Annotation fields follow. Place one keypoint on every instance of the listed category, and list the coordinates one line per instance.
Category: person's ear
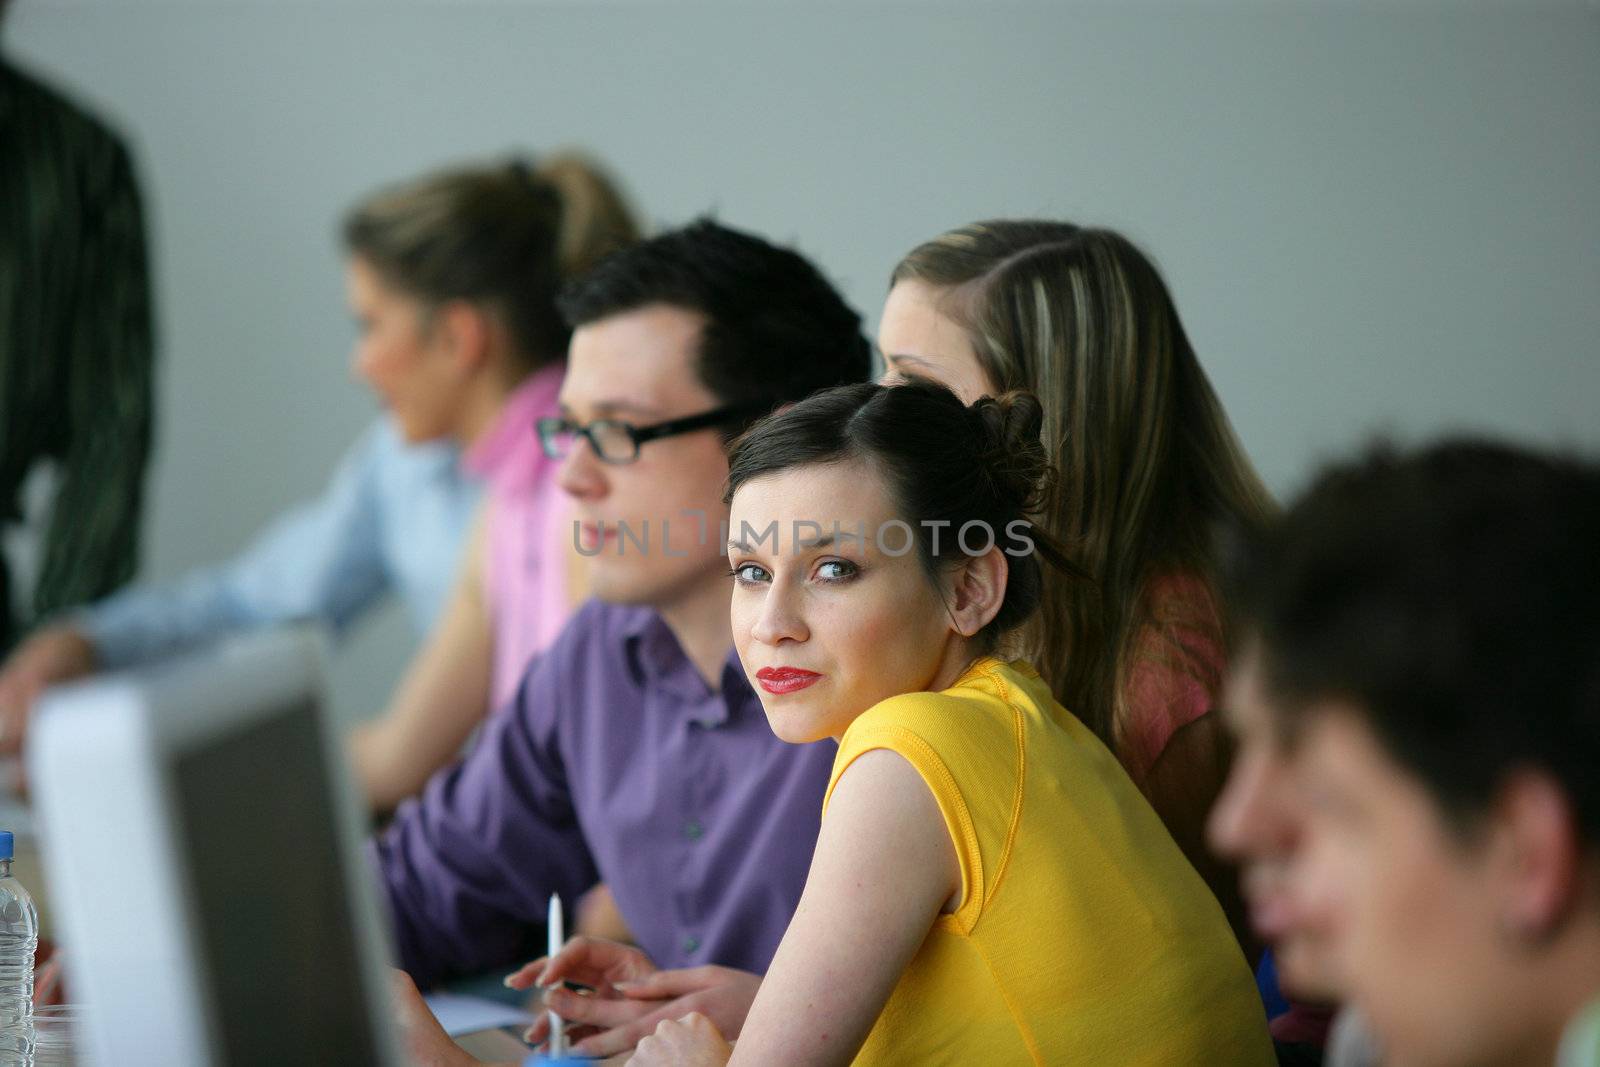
(978, 590)
(463, 330)
(1539, 856)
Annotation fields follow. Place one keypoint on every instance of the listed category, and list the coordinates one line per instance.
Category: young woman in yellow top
(989, 885)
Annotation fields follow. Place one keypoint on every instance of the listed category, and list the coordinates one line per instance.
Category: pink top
(1176, 672)
(525, 566)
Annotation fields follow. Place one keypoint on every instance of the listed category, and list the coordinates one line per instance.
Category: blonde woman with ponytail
(1149, 468)
(453, 280)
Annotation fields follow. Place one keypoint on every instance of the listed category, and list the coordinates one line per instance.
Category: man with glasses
(617, 442)
(635, 752)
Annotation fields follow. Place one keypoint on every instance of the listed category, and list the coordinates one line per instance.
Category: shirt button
(691, 945)
(693, 831)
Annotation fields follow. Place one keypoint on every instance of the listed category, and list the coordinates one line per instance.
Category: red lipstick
(785, 679)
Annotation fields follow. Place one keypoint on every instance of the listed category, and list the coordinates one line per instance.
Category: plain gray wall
(1371, 218)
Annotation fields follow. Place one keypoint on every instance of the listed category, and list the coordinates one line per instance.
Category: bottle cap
(7, 844)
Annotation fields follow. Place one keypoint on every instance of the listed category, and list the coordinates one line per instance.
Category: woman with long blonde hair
(1149, 467)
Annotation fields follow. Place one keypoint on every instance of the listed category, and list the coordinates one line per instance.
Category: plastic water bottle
(19, 938)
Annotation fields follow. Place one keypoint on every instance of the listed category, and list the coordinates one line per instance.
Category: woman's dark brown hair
(948, 467)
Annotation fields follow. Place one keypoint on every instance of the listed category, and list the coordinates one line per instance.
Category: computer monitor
(200, 835)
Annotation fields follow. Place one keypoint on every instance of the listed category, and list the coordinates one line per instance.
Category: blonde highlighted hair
(1147, 463)
(505, 237)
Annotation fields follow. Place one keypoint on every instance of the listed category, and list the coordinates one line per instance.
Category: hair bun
(1012, 452)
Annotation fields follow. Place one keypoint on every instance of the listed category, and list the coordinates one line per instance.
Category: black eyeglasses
(617, 442)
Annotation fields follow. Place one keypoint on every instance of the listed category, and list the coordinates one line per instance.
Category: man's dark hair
(777, 331)
(1452, 597)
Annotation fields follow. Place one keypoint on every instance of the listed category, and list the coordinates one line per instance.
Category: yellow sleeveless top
(1083, 936)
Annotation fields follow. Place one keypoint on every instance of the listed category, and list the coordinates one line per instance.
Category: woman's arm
(443, 696)
(884, 869)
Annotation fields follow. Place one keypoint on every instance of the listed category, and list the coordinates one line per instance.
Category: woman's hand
(631, 997)
(721, 994)
(54, 654)
(692, 1041)
(591, 961)
(588, 961)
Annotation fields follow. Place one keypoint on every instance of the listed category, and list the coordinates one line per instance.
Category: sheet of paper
(466, 1015)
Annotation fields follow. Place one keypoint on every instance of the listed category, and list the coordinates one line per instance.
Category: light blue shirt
(393, 519)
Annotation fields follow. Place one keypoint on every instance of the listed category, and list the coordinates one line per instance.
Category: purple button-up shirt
(615, 762)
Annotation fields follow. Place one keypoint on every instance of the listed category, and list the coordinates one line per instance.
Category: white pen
(555, 928)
